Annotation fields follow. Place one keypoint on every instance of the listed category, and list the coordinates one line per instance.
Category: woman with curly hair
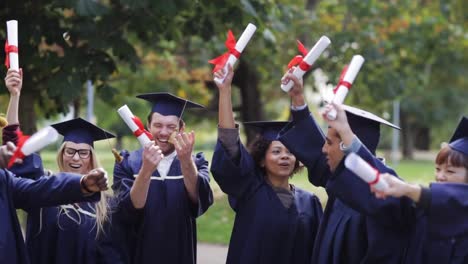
(276, 222)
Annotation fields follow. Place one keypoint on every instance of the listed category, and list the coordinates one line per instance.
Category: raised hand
(151, 157)
(340, 124)
(94, 181)
(226, 84)
(297, 91)
(14, 81)
(184, 143)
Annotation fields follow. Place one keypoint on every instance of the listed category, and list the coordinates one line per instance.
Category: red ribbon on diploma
(18, 152)
(141, 129)
(230, 44)
(377, 177)
(299, 59)
(343, 82)
(9, 49)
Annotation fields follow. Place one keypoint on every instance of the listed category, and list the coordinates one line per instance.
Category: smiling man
(162, 187)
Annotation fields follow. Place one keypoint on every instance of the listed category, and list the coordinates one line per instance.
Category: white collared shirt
(165, 164)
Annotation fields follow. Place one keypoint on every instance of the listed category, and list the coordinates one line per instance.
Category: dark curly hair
(258, 149)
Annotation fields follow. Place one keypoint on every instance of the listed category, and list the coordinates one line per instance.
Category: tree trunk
(407, 136)
(251, 107)
(26, 114)
(118, 142)
(422, 138)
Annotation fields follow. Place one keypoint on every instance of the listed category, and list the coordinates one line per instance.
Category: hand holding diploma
(11, 46)
(348, 75)
(28, 145)
(304, 64)
(365, 171)
(135, 124)
(234, 50)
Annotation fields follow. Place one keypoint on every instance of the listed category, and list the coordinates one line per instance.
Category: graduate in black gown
(347, 234)
(443, 206)
(21, 193)
(275, 221)
(162, 188)
(68, 233)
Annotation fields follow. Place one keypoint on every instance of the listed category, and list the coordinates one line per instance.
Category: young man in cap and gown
(163, 187)
(346, 235)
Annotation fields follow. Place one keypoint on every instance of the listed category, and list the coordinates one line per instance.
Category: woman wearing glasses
(67, 233)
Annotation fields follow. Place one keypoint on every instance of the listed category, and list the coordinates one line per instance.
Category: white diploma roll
(365, 171)
(127, 116)
(12, 35)
(39, 140)
(349, 77)
(310, 59)
(240, 46)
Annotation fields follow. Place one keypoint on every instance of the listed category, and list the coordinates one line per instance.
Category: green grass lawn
(216, 224)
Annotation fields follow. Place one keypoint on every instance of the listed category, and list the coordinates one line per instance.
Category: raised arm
(356, 193)
(232, 166)
(151, 157)
(14, 83)
(304, 138)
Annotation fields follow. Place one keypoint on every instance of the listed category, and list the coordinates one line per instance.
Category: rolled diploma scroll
(350, 75)
(310, 59)
(12, 34)
(365, 171)
(240, 46)
(39, 140)
(127, 116)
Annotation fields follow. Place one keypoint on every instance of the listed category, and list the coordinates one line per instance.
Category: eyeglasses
(83, 153)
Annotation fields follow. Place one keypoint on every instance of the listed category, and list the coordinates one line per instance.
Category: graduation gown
(264, 230)
(23, 193)
(116, 245)
(64, 234)
(346, 234)
(166, 226)
(445, 238)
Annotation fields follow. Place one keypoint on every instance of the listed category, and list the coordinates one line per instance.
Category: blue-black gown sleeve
(305, 139)
(448, 209)
(357, 194)
(205, 194)
(63, 188)
(234, 179)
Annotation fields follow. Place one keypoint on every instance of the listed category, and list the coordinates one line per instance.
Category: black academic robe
(166, 227)
(264, 230)
(65, 234)
(16, 192)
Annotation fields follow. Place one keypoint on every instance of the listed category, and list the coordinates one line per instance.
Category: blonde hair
(102, 208)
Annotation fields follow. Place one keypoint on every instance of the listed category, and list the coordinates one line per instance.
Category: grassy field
(216, 224)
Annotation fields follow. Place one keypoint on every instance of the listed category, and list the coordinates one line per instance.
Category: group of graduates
(160, 189)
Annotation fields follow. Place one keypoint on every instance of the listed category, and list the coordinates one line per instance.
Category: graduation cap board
(459, 140)
(168, 104)
(79, 130)
(268, 129)
(366, 126)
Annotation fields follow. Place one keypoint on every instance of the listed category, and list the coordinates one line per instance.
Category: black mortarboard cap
(79, 130)
(168, 104)
(459, 140)
(268, 129)
(366, 126)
